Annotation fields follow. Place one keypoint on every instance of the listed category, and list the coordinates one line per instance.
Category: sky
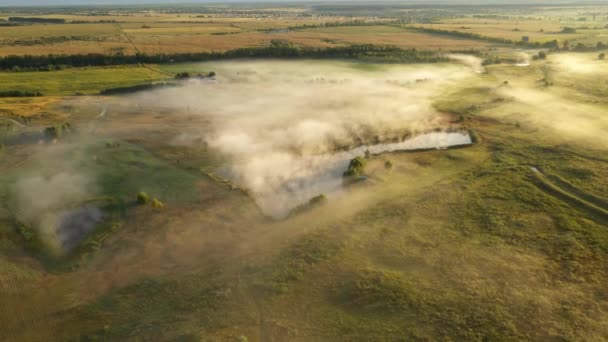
(143, 2)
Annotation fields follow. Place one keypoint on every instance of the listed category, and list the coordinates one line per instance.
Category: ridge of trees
(277, 49)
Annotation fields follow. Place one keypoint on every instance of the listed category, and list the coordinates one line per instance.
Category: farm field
(192, 37)
(425, 186)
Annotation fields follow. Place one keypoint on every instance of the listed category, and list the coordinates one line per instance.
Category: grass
(78, 80)
(453, 244)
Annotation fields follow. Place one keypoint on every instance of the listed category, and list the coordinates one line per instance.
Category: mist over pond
(289, 128)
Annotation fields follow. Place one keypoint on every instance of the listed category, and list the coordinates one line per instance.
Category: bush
(56, 132)
(143, 198)
(182, 75)
(568, 30)
(355, 167)
(388, 165)
(112, 144)
(601, 56)
(542, 55)
(318, 200)
(157, 204)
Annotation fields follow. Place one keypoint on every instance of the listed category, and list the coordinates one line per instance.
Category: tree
(568, 30)
(601, 56)
(142, 198)
(182, 75)
(355, 167)
(157, 204)
(542, 55)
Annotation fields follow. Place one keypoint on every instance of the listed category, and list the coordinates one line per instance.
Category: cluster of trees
(143, 198)
(580, 47)
(136, 88)
(36, 20)
(357, 22)
(186, 75)
(277, 49)
(568, 30)
(19, 93)
(475, 36)
(50, 40)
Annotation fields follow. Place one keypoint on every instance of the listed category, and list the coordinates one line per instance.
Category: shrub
(388, 165)
(601, 56)
(157, 204)
(182, 75)
(143, 198)
(355, 167)
(568, 30)
(56, 132)
(318, 200)
(542, 55)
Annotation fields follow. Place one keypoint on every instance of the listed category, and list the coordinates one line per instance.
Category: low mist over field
(306, 171)
(45, 198)
(279, 122)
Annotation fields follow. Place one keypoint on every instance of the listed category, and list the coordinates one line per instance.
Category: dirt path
(567, 196)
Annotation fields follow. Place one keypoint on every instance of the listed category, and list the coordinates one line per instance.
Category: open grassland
(461, 244)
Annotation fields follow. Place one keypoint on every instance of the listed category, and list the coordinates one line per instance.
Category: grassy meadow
(504, 239)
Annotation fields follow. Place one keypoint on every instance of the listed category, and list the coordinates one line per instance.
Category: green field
(80, 80)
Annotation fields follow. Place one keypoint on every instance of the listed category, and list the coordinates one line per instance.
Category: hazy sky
(128, 2)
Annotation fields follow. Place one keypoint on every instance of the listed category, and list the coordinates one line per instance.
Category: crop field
(455, 192)
(219, 29)
(178, 37)
(537, 30)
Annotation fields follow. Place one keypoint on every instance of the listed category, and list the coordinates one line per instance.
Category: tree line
(475, 36)
(19, 93)
(277, 49)
(36, 20)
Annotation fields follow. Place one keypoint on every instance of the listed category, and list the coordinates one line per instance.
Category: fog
(46, 198)
(285, 125)
(475, 63)
(578, 63)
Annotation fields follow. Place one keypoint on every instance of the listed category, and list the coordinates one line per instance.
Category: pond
(312, 175)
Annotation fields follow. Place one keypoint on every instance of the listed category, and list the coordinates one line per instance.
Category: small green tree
(355, 167)
(157, 204)
(142, 198)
